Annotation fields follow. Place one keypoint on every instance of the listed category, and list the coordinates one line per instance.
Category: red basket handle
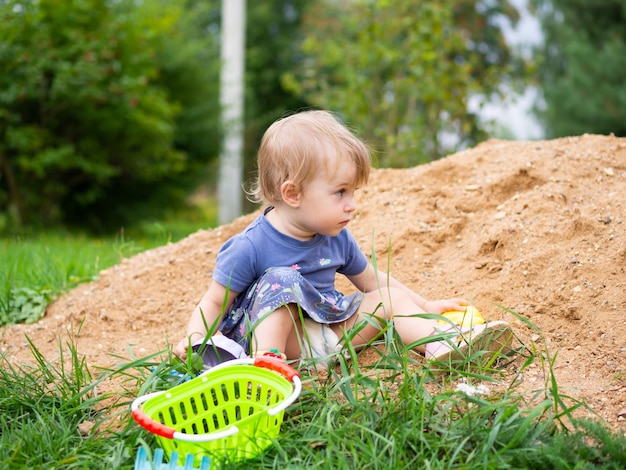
(151, 425)
(164, 431)
(148, 423)
(277, 365)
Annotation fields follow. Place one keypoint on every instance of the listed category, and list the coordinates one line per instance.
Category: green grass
(395, 413)
(45, 405)
(37, 268)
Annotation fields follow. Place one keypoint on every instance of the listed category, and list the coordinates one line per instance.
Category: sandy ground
(536, 227)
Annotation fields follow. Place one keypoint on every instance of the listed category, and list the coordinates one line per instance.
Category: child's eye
(341, 192)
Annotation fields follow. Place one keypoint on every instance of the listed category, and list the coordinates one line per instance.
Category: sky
(517, 116)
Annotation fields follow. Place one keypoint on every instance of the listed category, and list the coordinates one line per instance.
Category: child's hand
(185, 344)
(181, 349)
(446, 305)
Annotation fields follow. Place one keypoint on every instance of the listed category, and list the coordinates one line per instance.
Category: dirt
(534, 227)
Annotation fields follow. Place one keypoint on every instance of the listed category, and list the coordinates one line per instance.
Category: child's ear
(290, 192)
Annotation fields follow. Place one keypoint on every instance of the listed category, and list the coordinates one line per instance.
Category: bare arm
(371, 279)
(207, 313)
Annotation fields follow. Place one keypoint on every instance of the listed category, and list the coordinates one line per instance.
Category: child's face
(327, 202)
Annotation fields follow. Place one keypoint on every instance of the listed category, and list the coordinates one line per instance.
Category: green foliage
(189, 67)
(35, 270)
(582, 66)
(272, 30)
(191, 367)
(403, 71)
(396, 412)
(24, 305)
(91, 94)
(50, 411)
(400, 413)
(590, 446)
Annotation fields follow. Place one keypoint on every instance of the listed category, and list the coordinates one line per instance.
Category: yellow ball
(465, 318)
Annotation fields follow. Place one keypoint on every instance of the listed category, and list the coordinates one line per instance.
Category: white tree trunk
(231, 100)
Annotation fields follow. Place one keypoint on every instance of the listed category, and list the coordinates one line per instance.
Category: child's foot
(490, 338)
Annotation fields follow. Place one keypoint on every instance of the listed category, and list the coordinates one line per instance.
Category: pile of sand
(536, 227)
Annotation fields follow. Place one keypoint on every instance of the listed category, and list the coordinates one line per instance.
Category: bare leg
(281, 329)
(390, 303)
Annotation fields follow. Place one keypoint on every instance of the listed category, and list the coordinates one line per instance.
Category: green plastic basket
(232, 411)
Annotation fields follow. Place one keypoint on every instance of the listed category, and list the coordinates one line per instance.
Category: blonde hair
(299, 147)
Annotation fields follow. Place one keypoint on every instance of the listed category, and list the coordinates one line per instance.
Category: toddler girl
(279, 273)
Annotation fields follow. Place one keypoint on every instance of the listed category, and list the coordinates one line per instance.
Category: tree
(582, 66)
(272, 49)
(403, 71)
(88, 125)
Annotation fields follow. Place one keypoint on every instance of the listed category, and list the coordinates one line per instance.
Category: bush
(90, 102)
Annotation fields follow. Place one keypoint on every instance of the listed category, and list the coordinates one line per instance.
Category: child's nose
(350, 205)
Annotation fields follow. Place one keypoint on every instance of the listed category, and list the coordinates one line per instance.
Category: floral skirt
(278, 287)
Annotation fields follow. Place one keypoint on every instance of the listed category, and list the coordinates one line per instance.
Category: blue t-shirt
(247, 255)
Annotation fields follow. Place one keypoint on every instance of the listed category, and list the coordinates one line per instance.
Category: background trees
(582, 66)
(402, 72)
(109, 109)
(105, 108)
